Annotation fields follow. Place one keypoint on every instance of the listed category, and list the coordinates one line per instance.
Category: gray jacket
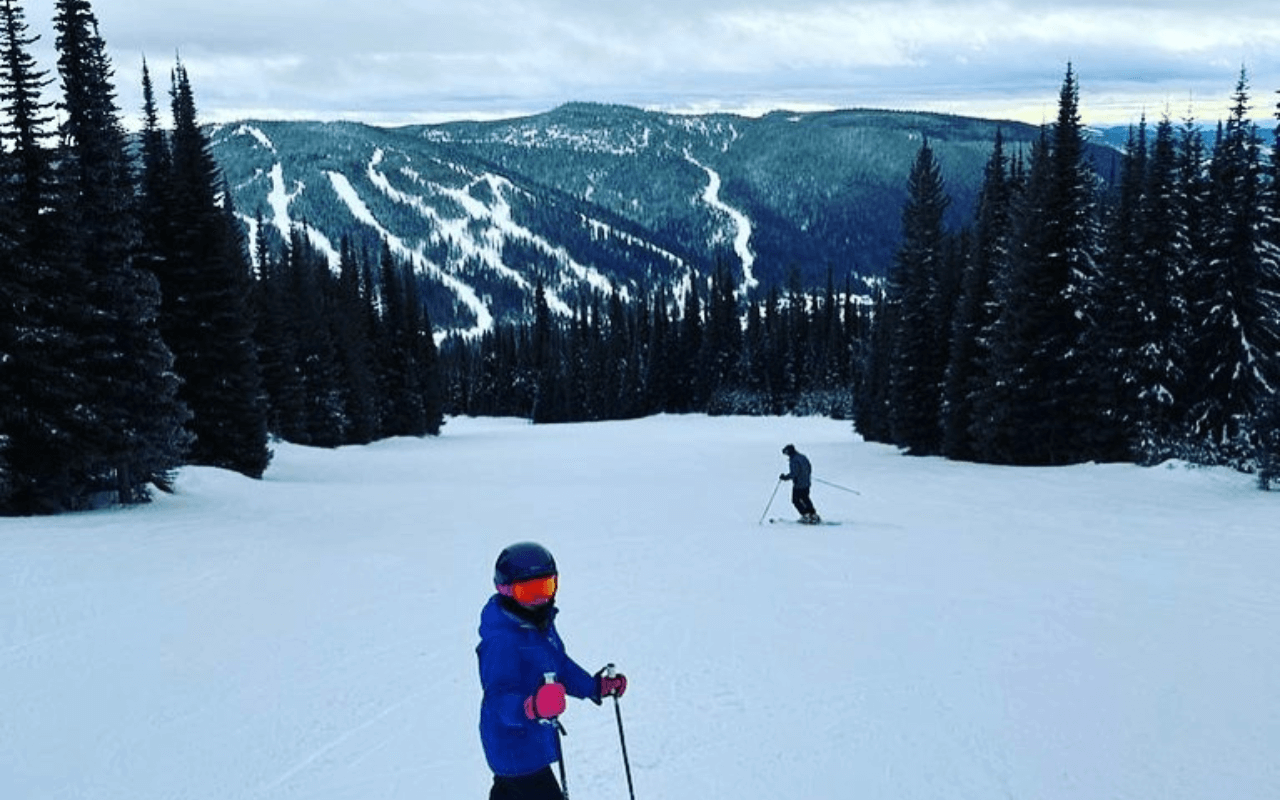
(801, 471)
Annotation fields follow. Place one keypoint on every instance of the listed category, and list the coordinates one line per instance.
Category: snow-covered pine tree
(1166, 256)
(1119, 312)
(1235, 358)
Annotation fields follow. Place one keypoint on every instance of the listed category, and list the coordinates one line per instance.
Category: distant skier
(526, 673)
(800, 473)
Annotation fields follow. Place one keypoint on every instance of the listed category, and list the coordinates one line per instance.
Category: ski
(787, 521)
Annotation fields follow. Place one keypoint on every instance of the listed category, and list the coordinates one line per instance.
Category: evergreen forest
(137, 333)
(1077, 317)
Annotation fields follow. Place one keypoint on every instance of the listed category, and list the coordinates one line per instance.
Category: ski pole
(838, 486)
(550, 677)
(766, 508)
(564, 780)
(622, 736)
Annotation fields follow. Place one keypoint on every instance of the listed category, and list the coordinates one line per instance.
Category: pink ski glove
(546, 703)
(609, 682)
(614, 685)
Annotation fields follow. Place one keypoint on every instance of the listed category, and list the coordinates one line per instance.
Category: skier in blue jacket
(526, 674)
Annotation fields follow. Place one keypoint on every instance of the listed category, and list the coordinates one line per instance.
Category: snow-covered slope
(967, 632)
(596, 198)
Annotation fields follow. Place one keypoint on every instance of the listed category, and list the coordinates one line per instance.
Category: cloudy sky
(399, 61)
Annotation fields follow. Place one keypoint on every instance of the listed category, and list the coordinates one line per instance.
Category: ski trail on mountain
(741, 223)
(465, 293)
(279, 198)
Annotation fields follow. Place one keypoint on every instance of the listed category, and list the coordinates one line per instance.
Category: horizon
(709, 109)
(429, 62)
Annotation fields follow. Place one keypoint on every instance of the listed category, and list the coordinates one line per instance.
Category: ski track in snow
(485, 247)
(457, 231)
(968, 632)
(464, 292)
(498, 226)
(279, 199)
(741, 224)
(256, 133)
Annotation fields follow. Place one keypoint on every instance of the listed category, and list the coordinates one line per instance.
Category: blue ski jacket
(514, 655)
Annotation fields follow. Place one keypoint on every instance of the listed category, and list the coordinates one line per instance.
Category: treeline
(1077, 320)
(135, 334)
(617, 359)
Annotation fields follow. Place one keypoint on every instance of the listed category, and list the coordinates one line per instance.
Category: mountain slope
(969, 633)
(597, 197)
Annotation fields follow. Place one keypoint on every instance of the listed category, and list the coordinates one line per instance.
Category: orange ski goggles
(533, 592)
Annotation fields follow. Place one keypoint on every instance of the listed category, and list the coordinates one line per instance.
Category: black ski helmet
(788, 450)
(521, 562)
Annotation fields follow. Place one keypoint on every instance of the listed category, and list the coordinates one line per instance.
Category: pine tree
(970, 355)
(26, 316)
(686, 365)
(871, 403)
(278, 331)
(544, 359)
(1237, 319)
(25, 134)
(324, 421)
(1037, 406)
(919, 342)
(1166, 257)
(206, 278)
(353, 338)
(1121, 311)
(411, 387)
(1001, 401)
(658, 369)
(1268, 447)
(127, 418)
(723, 340)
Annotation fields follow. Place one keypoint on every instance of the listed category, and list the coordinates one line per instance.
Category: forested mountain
(592, 196)
(974, 289)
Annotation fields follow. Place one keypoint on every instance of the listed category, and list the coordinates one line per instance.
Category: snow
(256, 133)
(741, 224)
(481, 244)
(465, 294)
(280, 198)
(967, 632)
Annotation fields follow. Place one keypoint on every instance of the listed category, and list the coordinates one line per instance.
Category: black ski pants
(800, 499)
(540, 785)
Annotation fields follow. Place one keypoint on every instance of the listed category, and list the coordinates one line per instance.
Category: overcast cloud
(396, 61)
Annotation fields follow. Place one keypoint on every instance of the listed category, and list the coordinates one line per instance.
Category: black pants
(540, 785)
(800, 499)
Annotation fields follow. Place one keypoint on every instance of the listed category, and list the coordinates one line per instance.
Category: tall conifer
(919, 342)
(128, 415)
(205, 274)
(1237, 318)
(970, 355)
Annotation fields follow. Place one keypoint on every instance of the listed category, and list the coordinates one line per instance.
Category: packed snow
(966, 632)
(741, 223)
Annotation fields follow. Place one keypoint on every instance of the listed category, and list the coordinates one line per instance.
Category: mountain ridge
(589, 197)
